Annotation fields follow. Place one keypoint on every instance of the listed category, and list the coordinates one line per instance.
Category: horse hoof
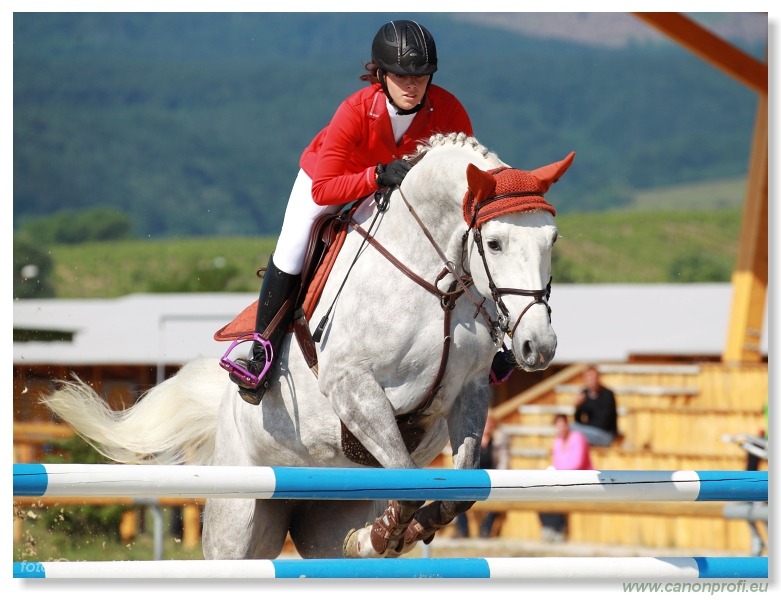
(357, 544)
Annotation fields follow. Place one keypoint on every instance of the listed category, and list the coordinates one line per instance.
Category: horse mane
(455, 139)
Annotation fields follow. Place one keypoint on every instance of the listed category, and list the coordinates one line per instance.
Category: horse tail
(174, 422)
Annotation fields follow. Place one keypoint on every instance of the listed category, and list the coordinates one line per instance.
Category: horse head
(511, 233)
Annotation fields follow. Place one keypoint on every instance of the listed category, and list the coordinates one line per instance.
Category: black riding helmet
(404, 48)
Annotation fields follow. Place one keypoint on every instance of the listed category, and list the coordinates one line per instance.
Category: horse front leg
(385, 537)
(363, 407)
(431, 518)
(465, 423)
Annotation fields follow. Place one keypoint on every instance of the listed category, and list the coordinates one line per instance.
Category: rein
(503, 323)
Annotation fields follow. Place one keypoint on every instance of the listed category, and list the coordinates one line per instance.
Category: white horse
(413, 332)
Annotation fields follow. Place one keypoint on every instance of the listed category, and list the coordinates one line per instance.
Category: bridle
(462, 283)
(540, 296)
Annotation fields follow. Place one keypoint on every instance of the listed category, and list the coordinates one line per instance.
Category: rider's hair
(371, 72)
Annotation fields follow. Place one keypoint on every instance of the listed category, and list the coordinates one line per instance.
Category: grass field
(729, 193)
(648, 246)
(39, 544)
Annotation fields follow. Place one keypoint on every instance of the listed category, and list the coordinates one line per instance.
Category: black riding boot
(271, 322)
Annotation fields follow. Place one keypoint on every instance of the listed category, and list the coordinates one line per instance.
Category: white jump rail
(154, 481)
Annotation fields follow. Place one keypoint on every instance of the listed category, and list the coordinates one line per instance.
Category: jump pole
(185, 481)
(626, 568)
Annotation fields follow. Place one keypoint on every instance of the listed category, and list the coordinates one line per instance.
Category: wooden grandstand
(671, 417)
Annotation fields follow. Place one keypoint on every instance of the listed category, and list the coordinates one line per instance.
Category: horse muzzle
(534, 348)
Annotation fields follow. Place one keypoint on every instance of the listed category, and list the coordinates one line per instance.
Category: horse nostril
(528, 351)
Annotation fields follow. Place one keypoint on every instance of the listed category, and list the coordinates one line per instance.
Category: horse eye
(494, 246)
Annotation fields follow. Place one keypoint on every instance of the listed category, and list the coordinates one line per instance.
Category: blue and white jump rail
(627, 568)
(184, 481)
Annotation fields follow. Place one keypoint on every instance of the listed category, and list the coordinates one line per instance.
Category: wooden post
(750, 277)
(128, 527)
(191, 525)
(720, 53)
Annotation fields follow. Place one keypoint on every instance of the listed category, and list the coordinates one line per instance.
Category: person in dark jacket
(596, 413)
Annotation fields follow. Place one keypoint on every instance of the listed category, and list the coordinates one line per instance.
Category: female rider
(360, 151)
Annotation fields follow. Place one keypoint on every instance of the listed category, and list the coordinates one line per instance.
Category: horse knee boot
(275, 309)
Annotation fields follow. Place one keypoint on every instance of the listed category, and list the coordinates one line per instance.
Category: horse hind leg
(243, 528)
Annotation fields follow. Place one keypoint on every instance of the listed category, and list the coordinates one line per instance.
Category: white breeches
(300, 215)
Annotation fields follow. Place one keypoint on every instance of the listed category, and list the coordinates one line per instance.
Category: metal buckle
(239, 371)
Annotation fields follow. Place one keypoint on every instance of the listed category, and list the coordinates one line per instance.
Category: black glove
(391, 174)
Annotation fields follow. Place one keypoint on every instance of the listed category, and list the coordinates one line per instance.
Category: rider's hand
(391, 174)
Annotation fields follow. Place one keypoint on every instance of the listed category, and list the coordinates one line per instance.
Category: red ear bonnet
(505, 190)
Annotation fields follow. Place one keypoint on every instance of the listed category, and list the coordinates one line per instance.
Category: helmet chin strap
(401, 111)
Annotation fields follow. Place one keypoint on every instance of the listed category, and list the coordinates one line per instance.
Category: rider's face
(406, 92)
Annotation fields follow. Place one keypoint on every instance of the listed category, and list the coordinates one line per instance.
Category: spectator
(596, 415)
(494, 454)
(570, 452)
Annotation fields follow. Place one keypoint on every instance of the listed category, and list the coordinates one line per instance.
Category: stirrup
(238, 370)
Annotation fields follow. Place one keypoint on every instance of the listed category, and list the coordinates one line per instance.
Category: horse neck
(435, 190)
(427, 205)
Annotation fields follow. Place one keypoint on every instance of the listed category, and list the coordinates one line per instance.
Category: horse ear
(481, 186)
(480, 183)
(550, 174)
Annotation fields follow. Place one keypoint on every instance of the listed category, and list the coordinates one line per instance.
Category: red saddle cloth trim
(244, 323)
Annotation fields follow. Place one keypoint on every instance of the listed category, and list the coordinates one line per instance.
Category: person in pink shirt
(571, 452)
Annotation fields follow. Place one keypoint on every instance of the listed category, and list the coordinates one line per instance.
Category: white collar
(399, 122)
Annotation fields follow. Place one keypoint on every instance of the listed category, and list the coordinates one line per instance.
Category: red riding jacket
(341, 159)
